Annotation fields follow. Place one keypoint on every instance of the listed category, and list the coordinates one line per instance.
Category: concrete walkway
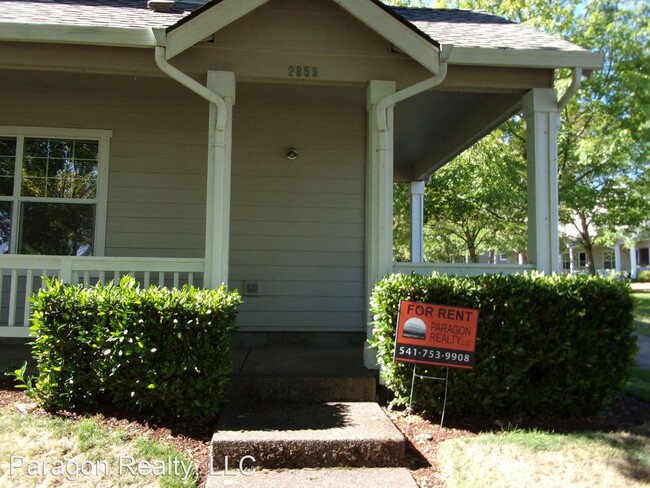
(643, 356)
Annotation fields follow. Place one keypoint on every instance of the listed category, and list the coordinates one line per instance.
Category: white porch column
(633, 262)
(542, 123)
(618, 263)
(417, 221)
(379, 198)
(572, 260)
(217, 230)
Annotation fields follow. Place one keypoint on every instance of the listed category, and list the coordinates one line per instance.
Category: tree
(603, 146)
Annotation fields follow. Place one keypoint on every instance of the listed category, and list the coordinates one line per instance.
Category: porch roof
(478, 38)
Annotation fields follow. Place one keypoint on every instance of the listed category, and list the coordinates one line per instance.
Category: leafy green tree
(603, 147)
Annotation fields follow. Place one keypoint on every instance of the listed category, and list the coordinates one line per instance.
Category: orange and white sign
(436, 334)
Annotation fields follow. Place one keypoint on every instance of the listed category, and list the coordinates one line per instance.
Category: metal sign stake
(444, 402)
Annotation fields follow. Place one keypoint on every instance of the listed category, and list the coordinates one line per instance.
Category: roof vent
(160, 5)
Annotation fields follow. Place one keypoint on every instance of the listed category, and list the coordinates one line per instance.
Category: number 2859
(296, 71)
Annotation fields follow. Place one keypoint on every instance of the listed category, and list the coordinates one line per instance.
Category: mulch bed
(423, 435)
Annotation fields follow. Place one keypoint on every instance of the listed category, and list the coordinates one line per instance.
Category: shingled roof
(464, 28)
(133, 14)
(461, 28)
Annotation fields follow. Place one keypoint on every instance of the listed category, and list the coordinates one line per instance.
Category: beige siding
(157, 179)
(298, 226)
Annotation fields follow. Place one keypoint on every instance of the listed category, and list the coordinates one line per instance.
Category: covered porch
(256, 144)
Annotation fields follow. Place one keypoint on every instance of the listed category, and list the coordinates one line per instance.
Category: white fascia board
(408, 41)
(526, 58)
(206, 23)
(76, 34)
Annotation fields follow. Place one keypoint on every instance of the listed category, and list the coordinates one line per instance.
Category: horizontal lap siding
(297, 227)
(157, 179)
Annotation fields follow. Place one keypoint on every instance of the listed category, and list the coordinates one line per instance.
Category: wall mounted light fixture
(292, 153)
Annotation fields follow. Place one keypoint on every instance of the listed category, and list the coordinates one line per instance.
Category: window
(582, 260)
(566, 261)
(609, 260)
(53, 191)
(643, 256)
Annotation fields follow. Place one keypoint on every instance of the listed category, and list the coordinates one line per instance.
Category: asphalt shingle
(461, 28)
(464, 28)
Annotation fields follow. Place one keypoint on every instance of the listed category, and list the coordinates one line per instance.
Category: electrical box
(252, 288)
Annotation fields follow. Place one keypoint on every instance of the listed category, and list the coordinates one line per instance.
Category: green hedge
(558, 345)
(643, 277)
(165, 352)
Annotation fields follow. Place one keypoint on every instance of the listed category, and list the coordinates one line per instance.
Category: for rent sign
(436, 334)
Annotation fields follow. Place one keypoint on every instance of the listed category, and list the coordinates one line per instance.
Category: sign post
(437, 335)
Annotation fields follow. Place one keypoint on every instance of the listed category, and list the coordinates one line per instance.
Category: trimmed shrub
(643, 277)
(161, 351)
(546, 346)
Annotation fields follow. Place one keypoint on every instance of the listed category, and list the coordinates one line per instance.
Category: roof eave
(526, 58)
(74, 34)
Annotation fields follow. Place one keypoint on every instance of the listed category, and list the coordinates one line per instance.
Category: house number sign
(302, 71)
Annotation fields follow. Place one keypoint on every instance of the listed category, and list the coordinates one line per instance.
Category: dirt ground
(423, 436)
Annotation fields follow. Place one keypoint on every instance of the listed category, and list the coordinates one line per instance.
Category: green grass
(41, 439)
(642, 313)
(639, 384)
(546, 459)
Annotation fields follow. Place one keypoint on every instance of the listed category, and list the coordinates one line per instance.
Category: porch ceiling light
(292, 153)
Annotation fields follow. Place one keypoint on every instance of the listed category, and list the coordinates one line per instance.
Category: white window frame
(579, 264)
(100, 201)
(612, 255)
(566, 261)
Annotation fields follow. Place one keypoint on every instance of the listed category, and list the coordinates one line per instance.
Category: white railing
(462, 269)
(21, 276)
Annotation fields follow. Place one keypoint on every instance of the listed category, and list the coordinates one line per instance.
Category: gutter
(576, 81)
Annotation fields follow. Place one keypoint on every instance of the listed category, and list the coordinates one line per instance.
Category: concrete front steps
(305, 416)
(295, 374)
(308, 444)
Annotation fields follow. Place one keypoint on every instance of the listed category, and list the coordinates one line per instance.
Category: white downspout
(576, 80)
(195, 86)
(213, 275)
(391, 100)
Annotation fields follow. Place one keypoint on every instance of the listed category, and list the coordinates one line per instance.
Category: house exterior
(253, 143)
(620, 259)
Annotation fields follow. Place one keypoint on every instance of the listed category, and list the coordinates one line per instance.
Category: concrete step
(307, 435)
(298, 374)
(257, 389)
(316, 478)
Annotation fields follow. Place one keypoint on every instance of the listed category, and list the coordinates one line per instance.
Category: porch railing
(463, 269)
(21, 276)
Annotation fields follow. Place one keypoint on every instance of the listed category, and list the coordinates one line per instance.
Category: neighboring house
(253, 143)
(620, 259)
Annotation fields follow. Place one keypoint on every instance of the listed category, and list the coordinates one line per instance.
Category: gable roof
(216, 14)
(477, 38)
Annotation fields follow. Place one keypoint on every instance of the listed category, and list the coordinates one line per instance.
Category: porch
(22, 275)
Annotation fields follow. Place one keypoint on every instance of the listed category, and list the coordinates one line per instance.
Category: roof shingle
(464, 28)
(461, 28)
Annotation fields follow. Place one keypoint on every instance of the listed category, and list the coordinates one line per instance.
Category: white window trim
(101, 200)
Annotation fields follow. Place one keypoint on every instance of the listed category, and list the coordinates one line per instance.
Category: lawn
(548, 459)
(38, 449)
(642, 313)
(545, 459)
